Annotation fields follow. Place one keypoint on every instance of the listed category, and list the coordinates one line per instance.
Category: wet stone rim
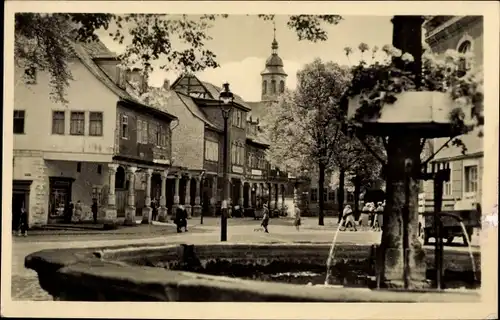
(141, 273)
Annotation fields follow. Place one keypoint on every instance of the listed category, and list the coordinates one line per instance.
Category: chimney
(166, 84)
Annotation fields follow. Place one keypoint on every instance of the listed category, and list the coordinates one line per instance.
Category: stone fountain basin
(148, 273)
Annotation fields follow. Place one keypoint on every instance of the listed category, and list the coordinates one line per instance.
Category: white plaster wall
(187, 137)
(29, 165)
(85, 93)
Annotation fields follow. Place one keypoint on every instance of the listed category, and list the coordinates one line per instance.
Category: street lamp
(225, 104)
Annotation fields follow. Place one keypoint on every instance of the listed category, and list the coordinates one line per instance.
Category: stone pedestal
(130, 216)
(147, 215)
(163, 214)
(188, 210)
(108, 214)
(196, 210)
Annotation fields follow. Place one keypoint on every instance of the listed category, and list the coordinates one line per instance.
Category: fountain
(290, 272)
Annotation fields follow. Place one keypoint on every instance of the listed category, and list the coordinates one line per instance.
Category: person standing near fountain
(297, 217)
(265, 218)
(379, 211)
(348, 218)
(364, 217)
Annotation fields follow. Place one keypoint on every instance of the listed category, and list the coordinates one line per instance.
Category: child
(265, 219)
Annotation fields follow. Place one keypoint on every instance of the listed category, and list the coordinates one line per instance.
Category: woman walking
(23, 222)
(297, 217)
(265, 219)
(348, 218)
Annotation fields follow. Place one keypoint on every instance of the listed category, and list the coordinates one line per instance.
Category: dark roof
(195, 109)
(190, 84)
(97, 50)
(87, 60)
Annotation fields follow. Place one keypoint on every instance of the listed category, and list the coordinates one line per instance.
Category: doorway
(20, 199)
(60, 197)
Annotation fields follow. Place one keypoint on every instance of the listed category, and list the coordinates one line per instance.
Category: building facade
(464, 34)
(107, 145)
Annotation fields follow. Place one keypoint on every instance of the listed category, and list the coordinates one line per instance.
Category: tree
(304, 126)
(43, 42)
(350, 156)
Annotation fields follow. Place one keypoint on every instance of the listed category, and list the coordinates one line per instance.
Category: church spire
(274, 45)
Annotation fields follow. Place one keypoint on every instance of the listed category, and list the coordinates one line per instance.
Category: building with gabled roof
(106, 144)
(464, 190)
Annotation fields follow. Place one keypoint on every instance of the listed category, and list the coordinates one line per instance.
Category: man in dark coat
(94, 210)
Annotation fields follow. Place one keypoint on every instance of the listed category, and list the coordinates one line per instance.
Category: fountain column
(402, 260)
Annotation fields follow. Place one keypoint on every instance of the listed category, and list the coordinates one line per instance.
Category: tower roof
(274, 64)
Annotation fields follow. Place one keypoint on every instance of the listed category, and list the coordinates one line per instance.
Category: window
(163, 136)
(238, 154)
(124, 127)
(139, 130)
(282, 86)
(77, 124)
(58, 122)
(95, 124)
(211, 150)
(447, 186)
(331, 195)
(30, 75)
(471, 178)
(273, 86)
(264, 87)
(154, 135)
(238, 119)
(314, 194)
(19, 117)
(78, 167)
(99, 169)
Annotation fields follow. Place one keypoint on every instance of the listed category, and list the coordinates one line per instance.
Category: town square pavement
(240, 230)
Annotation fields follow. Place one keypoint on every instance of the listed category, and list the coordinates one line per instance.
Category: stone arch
(273, 86)
(120, 178)
(282, 86)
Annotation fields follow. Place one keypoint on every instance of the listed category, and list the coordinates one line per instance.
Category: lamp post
(225, 104)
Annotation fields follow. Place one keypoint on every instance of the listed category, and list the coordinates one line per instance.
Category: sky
(242, 44)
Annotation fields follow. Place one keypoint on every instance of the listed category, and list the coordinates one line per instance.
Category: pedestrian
(348, 218)
(379, 211)
(179, 214)
(184, 219)
(364, 217)
(23, 222)
(154, 209)
(265, 219)
(297, 217)
(94, 209)
(78, 211)
(68, 211)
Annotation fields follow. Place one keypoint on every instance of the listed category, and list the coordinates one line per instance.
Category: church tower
(273, 76)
